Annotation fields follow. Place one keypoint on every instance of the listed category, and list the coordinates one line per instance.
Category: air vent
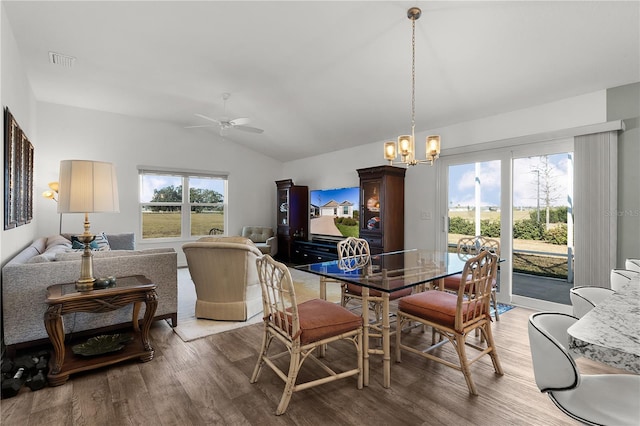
(62, 60)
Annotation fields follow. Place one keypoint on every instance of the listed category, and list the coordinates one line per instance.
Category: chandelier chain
(413, 76)
(405, 146)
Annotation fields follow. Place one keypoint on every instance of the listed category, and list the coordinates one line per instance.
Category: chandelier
(406, 145)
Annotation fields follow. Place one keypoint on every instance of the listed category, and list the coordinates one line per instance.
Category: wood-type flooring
(206, 382)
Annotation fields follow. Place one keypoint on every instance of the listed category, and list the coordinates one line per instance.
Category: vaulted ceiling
(325, 75)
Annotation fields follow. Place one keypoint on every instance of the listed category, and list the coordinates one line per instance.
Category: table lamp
(87, 187)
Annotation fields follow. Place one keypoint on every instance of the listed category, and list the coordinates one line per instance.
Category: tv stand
(305, 252)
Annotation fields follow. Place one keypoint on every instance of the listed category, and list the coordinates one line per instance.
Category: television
(334, 213)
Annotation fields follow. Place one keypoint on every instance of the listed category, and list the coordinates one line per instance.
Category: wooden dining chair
(353, 253)
(301, 329)
(473, 246)
(454, 316)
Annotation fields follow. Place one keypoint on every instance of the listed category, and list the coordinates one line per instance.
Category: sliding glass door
(520, 195)
(543, 227)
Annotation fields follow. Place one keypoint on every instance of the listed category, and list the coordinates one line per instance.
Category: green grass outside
(167, 225)
(348, 231)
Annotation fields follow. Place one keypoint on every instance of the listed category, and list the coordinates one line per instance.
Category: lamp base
(85, 283)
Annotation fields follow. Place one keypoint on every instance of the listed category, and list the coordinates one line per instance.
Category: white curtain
(595, 203)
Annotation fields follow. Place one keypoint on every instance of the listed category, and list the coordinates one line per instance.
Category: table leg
(55, 329)
(365, 336)
(386, 341)
(323, 288)
(136, 314)
(151, 303)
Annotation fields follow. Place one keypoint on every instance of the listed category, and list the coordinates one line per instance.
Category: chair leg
(344, 299)
(494, 353)
(494, 300)
(464, 363)
(399, 324)
(266, 340)
(294, 367)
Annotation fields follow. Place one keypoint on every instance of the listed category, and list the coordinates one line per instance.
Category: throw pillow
(100, 243)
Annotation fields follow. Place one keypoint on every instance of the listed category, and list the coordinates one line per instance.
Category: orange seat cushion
(320, 319)
(435, 306)
(452, 282)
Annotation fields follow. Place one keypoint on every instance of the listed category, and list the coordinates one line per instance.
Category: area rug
(191, 328)
(502, 308)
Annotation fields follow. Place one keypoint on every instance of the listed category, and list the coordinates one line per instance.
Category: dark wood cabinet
(305, 252)
(292, 215)
(382, 207)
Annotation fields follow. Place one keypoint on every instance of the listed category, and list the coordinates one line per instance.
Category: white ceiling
(321, 76)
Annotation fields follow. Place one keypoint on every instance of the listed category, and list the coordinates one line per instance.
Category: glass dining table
(387, 273)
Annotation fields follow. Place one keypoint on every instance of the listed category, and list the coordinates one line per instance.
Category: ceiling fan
(226, 124)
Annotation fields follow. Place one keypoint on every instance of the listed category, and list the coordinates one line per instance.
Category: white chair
(632, 265)
(602, 399)
(585, 298)
(621, 277)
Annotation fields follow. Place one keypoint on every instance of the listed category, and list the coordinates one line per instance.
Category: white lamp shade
(87, 187)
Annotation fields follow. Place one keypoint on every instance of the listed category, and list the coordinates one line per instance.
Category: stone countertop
(610, 332)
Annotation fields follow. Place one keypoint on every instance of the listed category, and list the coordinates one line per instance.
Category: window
(182, 204)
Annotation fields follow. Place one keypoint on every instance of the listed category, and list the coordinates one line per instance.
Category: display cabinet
(382, 207)
(292, 214)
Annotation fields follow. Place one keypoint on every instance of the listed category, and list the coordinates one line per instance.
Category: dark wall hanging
(18, 174)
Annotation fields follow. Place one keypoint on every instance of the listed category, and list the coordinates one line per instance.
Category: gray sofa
(49, 260)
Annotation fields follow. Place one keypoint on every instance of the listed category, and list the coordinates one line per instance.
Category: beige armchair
(223, 270)
(263, 237)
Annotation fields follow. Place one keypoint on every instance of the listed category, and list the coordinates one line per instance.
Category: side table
(63, 299)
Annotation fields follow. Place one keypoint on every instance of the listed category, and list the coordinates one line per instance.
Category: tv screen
(334, 212)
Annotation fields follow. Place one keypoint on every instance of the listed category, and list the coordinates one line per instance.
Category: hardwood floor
(206, 382)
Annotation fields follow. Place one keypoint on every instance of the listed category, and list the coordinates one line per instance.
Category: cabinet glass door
(283, 207)
(371, 206)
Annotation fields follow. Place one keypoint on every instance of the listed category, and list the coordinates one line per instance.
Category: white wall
(16, 94)
(624, 103)
(338, 169)
(72, 133)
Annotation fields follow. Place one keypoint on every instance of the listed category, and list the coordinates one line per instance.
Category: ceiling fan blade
(239, 121)
(207, 118)
(248, 129)
(202, 125)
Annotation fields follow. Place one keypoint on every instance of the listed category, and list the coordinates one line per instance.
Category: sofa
(224, 272)
(51, 260)
(263, 237)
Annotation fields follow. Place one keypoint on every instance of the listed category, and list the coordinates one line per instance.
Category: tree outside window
(164, 206)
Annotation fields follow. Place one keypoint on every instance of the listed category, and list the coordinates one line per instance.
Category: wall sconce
(51, 194)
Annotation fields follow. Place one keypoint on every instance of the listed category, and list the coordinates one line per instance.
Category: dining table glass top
(393, 271)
